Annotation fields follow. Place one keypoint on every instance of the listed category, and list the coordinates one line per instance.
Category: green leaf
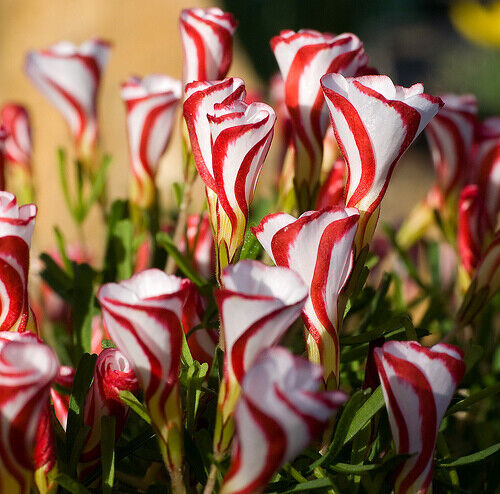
(472, 458)
(62, 167)
(70, 484)
(56, 277)
(472, 356)
(469, 401)
(129, 399)
(179, 192)
(61, 246)
(107, 344)
(75, 430)
(251, 246)
(186, 356)
(82, 304)
(365, 413)
(308, 486)
(392, 324)
(123, 242)
(387, 465)
(118, 211)
(99, 182)
(108, 428)
(195, 379)
(166, 242)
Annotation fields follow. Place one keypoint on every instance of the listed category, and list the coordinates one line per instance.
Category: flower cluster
(259, 357)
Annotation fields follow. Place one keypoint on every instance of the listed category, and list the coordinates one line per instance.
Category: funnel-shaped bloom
(418, 384)
(374, 122)
(18, 146)
(450, 135)
(27, 369)
(304, 57)
(69, 77)
(230, 141)
(257, 304)
(487, 166)
(281, 410)
(207, 43)
(150, 103)
(143, 317)
(16, 228)
(112, 374)
(327, 238)
(199, 244)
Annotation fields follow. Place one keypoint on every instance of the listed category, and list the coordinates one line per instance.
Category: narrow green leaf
(70, 484)
(123, 242)
(186, 356)
(99, 182)
(341, 429)
(166, 242)
(61, 246)
(472, 356)
(469, 401)
(107, 344)
(365, 413)
(108, 428)
(179, 192)
(129, 399)
(308, 486)
(251, 246)
(62, 167)
(472, 458)
(82, 304)
(56, 277)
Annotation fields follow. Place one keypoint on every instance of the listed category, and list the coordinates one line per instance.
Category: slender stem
(181, 221)
(178, 486)
(212, 477)
(294, 473)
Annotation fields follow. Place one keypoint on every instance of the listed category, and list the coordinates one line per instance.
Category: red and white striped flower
(331, 192)
(472, 227)
(281, 410)
(18, 147)
(202, 341)
(3, 138)
(304, 57)
(257, 304)
(199, 244)
(69, 76)
(16, 229)
(112, 375)
(65, 377)
(487, 168)
(27, 370)
(418, 384)
(207, 43)
(327, 238)
(374, 122)
(150, 103)
(201, 97)
(230, 141)
(143, 317)
(488, 270)
(450, 136)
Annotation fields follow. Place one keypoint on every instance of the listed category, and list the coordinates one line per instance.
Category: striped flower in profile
(143, 317)
(303, 57)
(418, 384)
(112, 375)
(3, 138)
(18, 147)
(319, 247)
(487, 168)
(150, 103)
(27, 369)
(16, 229)
(69, 77)
(207, 43)
(230, 141)
(450, 135)
(374, 122)
(257, 304)
(281, 410)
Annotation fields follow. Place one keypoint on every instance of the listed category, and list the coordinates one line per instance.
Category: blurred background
(449, 46)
